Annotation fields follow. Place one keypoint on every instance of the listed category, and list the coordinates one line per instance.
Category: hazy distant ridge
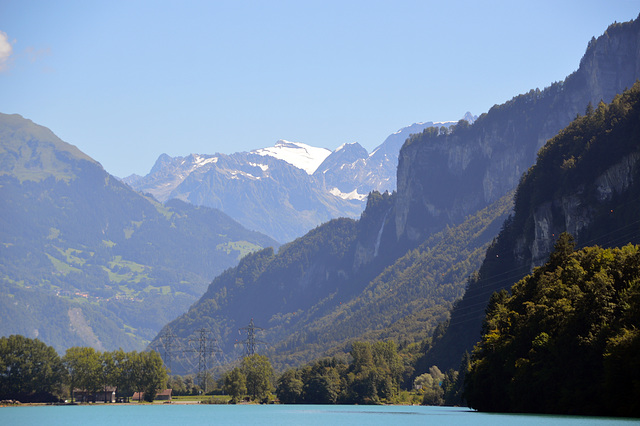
(284, 190)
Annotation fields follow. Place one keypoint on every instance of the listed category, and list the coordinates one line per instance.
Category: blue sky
(128, 80)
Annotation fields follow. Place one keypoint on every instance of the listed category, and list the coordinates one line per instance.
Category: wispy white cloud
(35, 54)
(5, 51)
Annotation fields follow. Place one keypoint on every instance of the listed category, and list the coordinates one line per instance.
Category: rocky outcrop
(617, 178)
(573, 213)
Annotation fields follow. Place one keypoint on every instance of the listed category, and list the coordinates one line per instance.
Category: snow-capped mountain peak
(283, 190)
(300, 155)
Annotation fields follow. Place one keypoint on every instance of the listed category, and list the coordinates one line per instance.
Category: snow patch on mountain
(302, 156)
(353, 195)
(264, 167)
(235, 174)
(391, 145)
(202, 160)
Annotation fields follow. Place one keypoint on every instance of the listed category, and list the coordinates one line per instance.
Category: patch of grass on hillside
(53, 234)
(61, 266)
(126, 291)
(162, 209)
(19, 283)
(118, 261)
(120, 270)
(164, 290)
(70, 255)
(128, 231)
(242, 247)
(130, 331)
(115, 277)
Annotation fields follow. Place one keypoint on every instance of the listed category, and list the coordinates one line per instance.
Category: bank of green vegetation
(567, 338)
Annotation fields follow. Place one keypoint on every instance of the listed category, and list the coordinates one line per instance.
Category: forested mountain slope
(566, 340)
(85, 260)
(586, 182)
(314, 296)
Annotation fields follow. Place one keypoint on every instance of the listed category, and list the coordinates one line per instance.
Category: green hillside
(86, 260)
(566, 340)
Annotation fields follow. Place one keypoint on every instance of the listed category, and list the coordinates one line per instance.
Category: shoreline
(101, 404)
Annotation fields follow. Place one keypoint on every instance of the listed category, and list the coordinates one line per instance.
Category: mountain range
(86, 260)
(284, 190)
(397, 270)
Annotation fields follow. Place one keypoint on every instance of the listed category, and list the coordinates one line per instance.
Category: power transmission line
(167, 341)
(251, 342)
(205, 348)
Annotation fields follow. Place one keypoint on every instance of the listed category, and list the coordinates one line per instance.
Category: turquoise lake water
(281, 415)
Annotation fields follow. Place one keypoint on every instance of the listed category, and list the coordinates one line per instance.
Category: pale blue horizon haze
(126, 81)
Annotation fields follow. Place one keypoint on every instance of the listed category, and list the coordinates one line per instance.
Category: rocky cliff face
(378, 171)
(444, 177)
(572, 213)
(612, 60)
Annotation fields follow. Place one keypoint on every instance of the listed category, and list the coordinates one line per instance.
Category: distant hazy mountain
(284, 190)
(262, 189)
(85, 260)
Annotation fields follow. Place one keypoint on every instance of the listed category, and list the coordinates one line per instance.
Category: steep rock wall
(572, 213)
(442, 179)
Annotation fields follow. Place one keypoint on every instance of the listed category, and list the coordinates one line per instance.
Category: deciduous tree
(29, 370)
(259, 373)
(84, 369)
(235, 384)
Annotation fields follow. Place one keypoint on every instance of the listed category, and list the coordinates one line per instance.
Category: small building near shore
(105, 395)
(164, 395)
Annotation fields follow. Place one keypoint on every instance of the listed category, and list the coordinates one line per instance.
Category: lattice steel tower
(251, 342)
(205, 349)
(167, 341)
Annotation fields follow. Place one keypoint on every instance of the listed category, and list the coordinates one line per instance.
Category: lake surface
(334, 415)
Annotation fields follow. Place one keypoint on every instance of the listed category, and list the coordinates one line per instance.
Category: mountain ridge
(482, 162)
